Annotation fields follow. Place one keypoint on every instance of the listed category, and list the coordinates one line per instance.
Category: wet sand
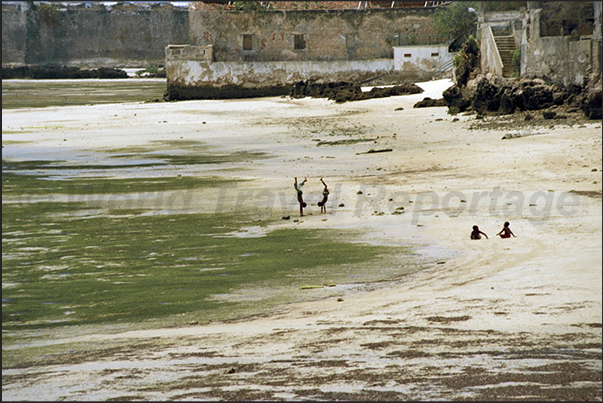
(492, 319)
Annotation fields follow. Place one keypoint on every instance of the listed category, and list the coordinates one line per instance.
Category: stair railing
(492, 62)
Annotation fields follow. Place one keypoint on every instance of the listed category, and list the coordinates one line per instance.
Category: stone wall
(321, 35)
(39, 34)
(192, 75)
(549, 48)
(563, 59)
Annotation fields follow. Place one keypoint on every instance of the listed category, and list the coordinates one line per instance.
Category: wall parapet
(491, 61)
(205, 79)
(189, 52)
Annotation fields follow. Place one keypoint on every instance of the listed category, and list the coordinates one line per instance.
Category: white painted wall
(192, 71)
(422, 60)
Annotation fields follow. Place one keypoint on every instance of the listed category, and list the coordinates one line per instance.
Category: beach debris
(309, 287)
(372, 151)
(448, 318)
(345, 142)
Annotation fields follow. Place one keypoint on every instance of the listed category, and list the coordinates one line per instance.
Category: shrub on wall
(517, 60)
(49, 15)
(466, 60)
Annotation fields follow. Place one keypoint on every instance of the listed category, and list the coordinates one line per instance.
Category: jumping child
(325, 197)
(300, 199)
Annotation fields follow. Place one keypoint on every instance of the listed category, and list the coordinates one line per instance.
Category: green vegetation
(255, 6)
(504, 5)
(64, 267)
(108, 252)
(18, 94)
(456, 20)
(517, 60)
(49, 15)
(152, 70)
(466, 60)
(87, 249)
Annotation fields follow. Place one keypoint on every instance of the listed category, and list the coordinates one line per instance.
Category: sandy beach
(489, 319)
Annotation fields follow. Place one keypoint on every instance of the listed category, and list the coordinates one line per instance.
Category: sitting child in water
(477, 234)
(506, 231)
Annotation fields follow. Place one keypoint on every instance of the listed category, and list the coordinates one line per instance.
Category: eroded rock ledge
(503, 96)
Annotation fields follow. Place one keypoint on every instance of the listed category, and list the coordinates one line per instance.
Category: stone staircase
(506, 45)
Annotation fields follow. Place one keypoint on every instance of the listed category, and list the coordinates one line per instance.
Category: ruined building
(557, 40)
(239, 53)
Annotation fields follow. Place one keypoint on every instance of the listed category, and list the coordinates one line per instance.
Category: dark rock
(499, 95)
(428, 102)
(537, 97)
(507, 102)
(344, 91)
(486, 96)
(549, 114)
(60, 72)
(591, 104)
(453, 97)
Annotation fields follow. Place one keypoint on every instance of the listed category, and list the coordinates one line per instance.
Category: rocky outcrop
(428, 103)
(344, 91)
(501, 96)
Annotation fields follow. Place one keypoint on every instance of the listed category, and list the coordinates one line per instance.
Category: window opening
(299, 43)
(247, 42)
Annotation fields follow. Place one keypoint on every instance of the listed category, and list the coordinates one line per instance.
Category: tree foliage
(456, 20)
(466, 60)
(49, 15)
(256, 6)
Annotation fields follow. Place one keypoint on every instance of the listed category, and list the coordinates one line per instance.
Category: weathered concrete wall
(259, 74)
(190, 70)
(543, 58)
(240, 54)
(329, 35)
(566, 59)
(421, 62)
(14, 26)
(98, 37)
(491, 61)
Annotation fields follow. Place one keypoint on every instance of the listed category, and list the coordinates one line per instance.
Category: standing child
(477, 234)
(506, 231)
(300, 199)
(325, 197)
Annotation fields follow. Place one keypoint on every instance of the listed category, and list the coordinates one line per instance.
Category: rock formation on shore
(504, 96)
(344, 91)
(60, 72)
